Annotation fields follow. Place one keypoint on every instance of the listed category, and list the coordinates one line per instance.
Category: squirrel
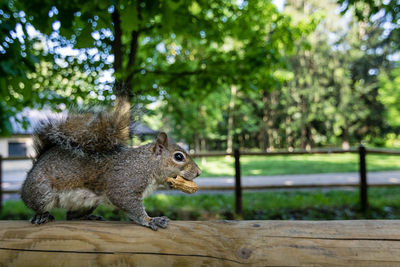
(82, 160)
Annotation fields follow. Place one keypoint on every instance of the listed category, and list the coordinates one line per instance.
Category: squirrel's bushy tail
(91, 132)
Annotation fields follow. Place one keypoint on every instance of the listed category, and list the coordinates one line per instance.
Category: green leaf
(174, 4)
(168, 15)
(85, 37)
(129, 17)
(103, 4)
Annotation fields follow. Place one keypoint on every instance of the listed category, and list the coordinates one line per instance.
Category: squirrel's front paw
(156, 222)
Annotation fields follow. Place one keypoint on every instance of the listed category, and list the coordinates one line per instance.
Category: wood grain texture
(211, 243)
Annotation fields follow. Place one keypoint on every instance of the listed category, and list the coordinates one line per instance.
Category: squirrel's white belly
(79, 199)
(150, 188)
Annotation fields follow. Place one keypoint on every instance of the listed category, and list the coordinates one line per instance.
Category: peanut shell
(182, 184)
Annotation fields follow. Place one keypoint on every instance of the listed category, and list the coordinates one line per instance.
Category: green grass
(310, 205)
(296, 164)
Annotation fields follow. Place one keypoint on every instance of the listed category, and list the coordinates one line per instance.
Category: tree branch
(163, 72)
(147, 29)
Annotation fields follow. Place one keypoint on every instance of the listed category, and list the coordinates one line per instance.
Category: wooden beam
(217, 243)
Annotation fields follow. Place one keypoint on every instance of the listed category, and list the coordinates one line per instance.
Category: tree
(180, 50)
(365, 58)
(389, 96)
(303, 106)
(245, 63)
(380, 10)
(150, 47)
(15, 61)
(31, 73)
(331, 97)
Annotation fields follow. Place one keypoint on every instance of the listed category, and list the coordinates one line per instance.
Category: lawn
(299, 205)
(296, 164)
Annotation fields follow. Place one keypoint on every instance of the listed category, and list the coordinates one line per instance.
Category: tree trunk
(310, 138)
(262, 138)
(264, 133)
(132, 59)
(122, 94)
(203, 147)
(124, 79)
(268, 120)
(303, 137)
(345, 138)
(123, 86)
(272, 135)
(117, 43)
(203, 144)
(303, 133)
(196, 143)
(288, 133)
(229, 141)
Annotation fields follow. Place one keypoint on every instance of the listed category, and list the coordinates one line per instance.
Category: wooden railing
(361, 151)
(202, 243)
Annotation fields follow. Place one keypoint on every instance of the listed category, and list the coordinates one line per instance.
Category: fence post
(1, 182)
(238, 183)
(363, 178)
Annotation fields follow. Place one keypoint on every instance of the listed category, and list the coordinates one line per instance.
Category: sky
(280, 4)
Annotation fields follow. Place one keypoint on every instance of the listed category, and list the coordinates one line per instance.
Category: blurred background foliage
(215, 74)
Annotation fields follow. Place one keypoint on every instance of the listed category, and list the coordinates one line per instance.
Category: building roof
(138, 128)
(33, 117)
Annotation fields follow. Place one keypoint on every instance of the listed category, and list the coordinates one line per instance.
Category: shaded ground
(267, 205)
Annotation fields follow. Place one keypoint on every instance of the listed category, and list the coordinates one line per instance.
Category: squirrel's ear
(161, 143)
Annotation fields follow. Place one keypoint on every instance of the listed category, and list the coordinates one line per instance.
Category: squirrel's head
(174, 160)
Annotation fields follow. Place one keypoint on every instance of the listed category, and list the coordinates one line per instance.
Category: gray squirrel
(82, 160)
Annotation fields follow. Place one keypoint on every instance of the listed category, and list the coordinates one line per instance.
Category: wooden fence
(361, 151)
(202, 243)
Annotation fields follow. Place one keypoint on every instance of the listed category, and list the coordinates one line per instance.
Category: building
(20, 143)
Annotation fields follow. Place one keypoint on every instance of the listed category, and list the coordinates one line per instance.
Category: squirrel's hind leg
(40, 198)
(42, 218)
(83, 215)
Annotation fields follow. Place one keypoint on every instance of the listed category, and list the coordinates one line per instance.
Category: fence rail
(207, 243)
(295, 152)
(362, 184)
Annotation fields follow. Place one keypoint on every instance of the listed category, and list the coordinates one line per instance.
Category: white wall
(3, 147)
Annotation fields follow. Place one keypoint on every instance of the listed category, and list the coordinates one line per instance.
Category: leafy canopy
(173, 49)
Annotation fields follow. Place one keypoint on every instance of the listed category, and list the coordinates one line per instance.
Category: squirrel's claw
(156, 222)
(42, 218)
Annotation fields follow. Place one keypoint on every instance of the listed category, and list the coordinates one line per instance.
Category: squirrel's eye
(179, 157)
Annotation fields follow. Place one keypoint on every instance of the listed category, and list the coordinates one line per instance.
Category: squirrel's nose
(198, 172)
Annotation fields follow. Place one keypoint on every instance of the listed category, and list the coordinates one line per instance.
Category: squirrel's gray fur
(82, 161)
